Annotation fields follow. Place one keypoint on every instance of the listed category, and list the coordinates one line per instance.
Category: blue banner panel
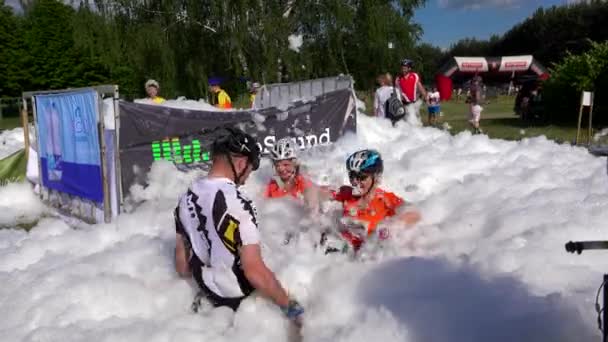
(69, 143)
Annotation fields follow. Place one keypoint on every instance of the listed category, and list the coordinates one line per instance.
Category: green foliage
(474, 47)
(429, 59)
(12, 53)
(553, 32)
(181, 43)
(576, 73)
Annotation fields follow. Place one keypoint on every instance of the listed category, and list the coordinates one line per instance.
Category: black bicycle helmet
(235, 141)
(407, 62)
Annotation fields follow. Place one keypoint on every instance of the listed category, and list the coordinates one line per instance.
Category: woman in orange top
(287, 179)
(364, 204)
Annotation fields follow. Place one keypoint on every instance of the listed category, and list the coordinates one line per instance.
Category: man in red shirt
(409, 88)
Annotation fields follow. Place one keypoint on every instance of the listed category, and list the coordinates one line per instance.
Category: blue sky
(446, 21)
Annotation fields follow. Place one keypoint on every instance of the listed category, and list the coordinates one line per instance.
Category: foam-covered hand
(410, 217)
(294, 312)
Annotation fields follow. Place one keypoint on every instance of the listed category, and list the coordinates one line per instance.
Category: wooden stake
(590, 118)
(107, 215)
(26, 128)
(580, 118)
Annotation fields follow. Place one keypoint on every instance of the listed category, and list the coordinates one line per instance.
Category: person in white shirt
(217, 236)
(475, 107)
(383, 94)
(434, 108)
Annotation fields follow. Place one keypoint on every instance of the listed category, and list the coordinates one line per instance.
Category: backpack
(394, 108)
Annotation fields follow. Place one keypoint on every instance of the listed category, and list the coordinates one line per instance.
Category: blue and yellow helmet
(365, 161)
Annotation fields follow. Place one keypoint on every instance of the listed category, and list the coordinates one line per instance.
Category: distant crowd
(398, 99)
(403, 98)
(219, 97)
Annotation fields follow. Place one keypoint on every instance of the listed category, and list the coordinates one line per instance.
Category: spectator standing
(383, 93)
(409, 89)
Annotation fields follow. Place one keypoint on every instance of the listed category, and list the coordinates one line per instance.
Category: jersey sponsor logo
(228, 230)
(226, 225)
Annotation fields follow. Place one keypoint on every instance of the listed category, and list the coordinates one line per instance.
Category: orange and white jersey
(383, 204)
(274, 190)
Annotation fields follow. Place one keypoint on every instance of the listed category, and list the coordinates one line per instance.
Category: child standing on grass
(434, 107)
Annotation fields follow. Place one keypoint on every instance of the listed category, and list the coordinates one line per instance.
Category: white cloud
(476, 4)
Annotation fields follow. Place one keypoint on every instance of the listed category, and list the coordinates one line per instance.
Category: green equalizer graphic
(173, 151)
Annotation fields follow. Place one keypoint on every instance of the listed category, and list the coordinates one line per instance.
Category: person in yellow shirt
(152, 91)
(219, 97)
(253, 91)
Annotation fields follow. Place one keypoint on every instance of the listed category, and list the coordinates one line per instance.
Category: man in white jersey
(218, 242)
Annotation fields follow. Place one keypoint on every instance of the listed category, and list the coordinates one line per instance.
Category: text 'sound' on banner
(69, 143)
(151, 132)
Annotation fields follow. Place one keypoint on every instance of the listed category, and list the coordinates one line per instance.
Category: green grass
(27, 226)
(497, 120)
(10, 123)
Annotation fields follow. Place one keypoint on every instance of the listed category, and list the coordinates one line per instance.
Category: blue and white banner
(69, 143)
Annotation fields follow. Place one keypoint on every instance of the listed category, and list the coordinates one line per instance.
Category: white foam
(183, 103)
(11, 141)
(486, 263)
(295, 42)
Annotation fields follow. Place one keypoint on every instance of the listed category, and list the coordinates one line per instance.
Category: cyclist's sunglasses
(360, 176)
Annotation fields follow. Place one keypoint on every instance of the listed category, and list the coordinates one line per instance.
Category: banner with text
(184, 137)
(69, 143)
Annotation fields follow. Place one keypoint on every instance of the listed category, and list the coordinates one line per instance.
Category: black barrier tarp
(151, 132)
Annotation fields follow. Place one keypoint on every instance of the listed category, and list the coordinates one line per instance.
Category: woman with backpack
(383, 94)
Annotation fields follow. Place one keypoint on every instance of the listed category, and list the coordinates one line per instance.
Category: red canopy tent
(477, 65)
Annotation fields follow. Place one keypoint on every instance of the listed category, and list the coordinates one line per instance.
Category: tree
(431, 59)
(577, 73)
(181, 43)
(53, 61)
(12, 53)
